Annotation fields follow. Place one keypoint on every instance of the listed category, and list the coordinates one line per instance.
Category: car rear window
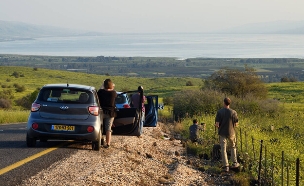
(121, 98)
(65, 95)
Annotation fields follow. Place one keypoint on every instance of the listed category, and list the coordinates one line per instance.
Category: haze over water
(188, 45)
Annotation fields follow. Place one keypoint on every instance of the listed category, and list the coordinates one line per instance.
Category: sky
(150, 16)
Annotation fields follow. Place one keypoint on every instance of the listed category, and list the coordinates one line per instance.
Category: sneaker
(106, 146)
(226, 169)
(235, 165)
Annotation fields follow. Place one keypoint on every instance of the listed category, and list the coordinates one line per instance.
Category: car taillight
(35, 107)
(35, 126)
(94, 110)
(90, 129)
(126, 106)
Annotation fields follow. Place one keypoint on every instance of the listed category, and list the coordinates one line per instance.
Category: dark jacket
(107, 101)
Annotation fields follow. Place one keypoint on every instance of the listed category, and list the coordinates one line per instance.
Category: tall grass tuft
(13, 116)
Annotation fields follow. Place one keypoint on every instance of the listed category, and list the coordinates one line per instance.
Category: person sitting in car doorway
(195, 130)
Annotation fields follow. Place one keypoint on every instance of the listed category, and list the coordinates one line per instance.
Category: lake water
(188, 45)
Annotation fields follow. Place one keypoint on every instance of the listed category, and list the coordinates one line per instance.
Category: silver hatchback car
(65, 111)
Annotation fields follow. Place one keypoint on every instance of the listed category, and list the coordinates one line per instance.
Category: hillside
(32, 78)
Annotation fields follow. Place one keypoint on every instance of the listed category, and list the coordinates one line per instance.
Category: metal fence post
(241, 140)
(272, 169)
(260, 163)
(253, 148)
(282, 169)
(265, 167)
(298, 172)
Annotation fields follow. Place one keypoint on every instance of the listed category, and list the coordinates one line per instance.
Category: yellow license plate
(63, 127)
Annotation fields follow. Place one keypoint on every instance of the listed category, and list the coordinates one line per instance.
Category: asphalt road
(18, 162)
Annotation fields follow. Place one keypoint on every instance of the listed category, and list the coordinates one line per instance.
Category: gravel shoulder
(150, 159)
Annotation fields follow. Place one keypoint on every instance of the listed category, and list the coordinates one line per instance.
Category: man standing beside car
(139, 103)
(226, 120)
(106, 98)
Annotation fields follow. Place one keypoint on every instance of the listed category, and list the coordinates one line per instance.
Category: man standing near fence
(226, 120)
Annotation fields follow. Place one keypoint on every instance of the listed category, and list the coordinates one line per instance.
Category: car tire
(96, 145)
(30, 142)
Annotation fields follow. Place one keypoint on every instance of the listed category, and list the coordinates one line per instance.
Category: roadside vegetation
(267, 116)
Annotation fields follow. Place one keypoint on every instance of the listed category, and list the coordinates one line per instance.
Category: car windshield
(65, 95)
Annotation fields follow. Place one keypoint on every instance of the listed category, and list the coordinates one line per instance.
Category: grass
(287, 136)
(35, 79)
(13, 116)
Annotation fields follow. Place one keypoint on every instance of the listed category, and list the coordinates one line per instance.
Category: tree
(238, 83)
(285, 79)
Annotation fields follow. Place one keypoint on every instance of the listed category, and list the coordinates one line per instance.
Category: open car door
(151, 111)
(128, 120)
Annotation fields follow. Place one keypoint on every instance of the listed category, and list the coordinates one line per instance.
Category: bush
(19, 88)
(189, 83)
(196, 102)
(168, 100)
(199, 102)
(26, 101)
(15, 74)
(5, 103)
(7, 94)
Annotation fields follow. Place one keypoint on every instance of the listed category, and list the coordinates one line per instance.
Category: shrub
(5, 103)
(7, 94)
(19, 88)
(199, 102)
(189, 83)
(196, 102)
(27, 100)
(168, 100)
(15, 74)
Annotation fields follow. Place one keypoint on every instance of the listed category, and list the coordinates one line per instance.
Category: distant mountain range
(275, 27)
(17, 30)
(10, 30)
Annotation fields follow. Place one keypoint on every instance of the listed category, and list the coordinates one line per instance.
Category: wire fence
(270, 168)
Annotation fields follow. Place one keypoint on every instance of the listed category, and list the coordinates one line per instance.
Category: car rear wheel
(30, 142)
(96, 145)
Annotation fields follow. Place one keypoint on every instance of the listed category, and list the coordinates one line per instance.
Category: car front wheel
(96, 145)
(30, 142)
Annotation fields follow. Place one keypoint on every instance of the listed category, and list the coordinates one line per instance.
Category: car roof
(117, 92)
(62, 85)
